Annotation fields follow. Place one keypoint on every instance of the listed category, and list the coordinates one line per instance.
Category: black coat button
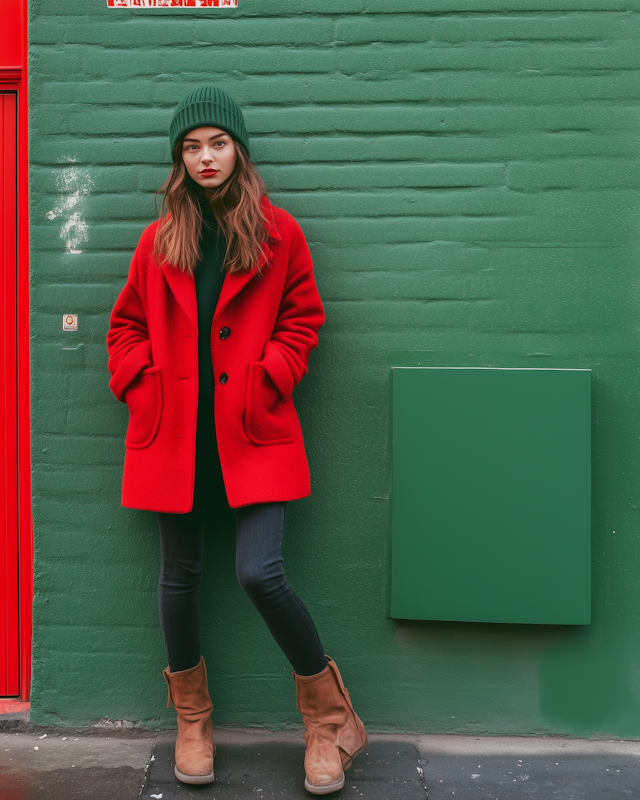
(224, 377)
(225, 333)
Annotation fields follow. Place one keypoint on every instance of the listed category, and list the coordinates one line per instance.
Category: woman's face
(209, 155)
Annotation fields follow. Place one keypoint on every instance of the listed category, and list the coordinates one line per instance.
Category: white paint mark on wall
(73, 184)
(74, 232)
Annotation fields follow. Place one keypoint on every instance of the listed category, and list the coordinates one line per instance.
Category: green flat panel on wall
(492, 495)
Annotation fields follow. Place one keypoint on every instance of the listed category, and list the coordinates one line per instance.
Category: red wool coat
(264, 327)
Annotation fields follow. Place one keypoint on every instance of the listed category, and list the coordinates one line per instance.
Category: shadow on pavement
(272, 770)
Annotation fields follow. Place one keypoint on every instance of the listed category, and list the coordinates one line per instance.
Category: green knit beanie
(208, 106)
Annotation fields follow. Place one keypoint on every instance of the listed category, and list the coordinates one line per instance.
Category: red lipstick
(208, 173)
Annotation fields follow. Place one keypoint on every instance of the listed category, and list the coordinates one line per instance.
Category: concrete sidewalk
(106, 765)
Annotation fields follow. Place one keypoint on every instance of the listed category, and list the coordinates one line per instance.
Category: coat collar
(183, 286)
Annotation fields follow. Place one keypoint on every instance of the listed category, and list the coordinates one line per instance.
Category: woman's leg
(182, 546)
(182, 549)
(181, 542)
(259, 568)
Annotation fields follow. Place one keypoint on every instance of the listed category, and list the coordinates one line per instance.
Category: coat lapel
(236, 281)
(183, 287)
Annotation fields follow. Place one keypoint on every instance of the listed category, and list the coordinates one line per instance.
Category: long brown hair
(235, 204)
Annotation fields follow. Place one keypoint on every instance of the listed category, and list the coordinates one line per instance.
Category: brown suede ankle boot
(189, 693)
(334, 734)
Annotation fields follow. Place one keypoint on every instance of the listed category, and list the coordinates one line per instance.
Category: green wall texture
(466, 172)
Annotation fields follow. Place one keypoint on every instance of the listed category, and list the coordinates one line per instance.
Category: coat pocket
(267, 416)
(144, 398)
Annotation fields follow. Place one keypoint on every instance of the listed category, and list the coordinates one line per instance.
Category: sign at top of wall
(172, 3)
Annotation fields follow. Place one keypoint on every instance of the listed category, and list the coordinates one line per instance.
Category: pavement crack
(422, 763)
(147, 770)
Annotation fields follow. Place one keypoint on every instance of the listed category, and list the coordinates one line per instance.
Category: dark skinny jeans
(259, 568)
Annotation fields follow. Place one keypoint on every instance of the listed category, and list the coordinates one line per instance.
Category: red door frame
(9, 603)
(13, 78)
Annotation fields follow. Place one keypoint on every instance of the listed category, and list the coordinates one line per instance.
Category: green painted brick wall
(466, 172)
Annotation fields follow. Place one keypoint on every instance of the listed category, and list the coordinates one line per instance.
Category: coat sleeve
(300, 316)
(128, 342)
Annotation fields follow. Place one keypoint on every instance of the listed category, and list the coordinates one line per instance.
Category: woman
(207, 341)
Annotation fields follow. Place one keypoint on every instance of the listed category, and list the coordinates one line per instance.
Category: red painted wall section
(15, 309)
